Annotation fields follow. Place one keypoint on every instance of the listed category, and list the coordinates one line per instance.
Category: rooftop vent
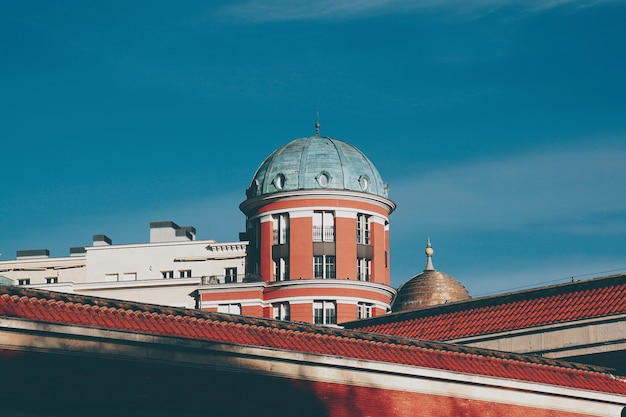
(78, 251)
(33, 253)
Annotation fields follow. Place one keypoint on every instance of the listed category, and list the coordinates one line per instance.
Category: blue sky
(500, 126)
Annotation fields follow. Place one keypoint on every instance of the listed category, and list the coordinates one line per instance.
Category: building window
(323, 226)
(281, 228)
(364, 182)
(363, 229)
(279, 181)
(281, 269)
(184, 273)
(129, 276)
(23, 281)
(324, 266)
(363, 269)
(281, 311)
(318, 266)
(230, 275)
(324, 179)
(325, 312)
(329, 267)
(52, 280)
(229, 308)
(167, 274)
(363, 310)
(111, 277)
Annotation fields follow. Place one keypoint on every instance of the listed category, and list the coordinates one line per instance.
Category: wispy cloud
(286, 10)
(572, 191)
(292, 10)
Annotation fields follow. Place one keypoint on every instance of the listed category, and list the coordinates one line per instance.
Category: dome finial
(429, 257)
(317, 124)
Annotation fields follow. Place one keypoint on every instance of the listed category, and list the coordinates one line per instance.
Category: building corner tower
(317, 221)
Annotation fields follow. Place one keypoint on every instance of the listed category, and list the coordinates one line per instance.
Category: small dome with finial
(429, 288)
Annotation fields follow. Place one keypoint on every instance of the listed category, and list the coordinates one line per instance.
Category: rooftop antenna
(317, 124)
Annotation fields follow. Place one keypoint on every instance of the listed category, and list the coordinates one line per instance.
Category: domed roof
(429, 288)
(317, 163)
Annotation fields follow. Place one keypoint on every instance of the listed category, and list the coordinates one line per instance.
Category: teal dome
(317, 163)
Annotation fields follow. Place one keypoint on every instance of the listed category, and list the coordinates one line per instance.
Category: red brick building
(317, 221)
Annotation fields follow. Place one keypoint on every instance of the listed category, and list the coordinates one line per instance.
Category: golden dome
(429, 288)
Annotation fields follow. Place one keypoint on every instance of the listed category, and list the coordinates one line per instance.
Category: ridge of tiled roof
(579, 300)
(51, 307)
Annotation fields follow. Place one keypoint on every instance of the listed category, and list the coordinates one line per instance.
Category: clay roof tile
(305, 338)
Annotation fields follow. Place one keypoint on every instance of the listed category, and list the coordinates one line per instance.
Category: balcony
(281, 236)
(362, 277)
(230, 279)
(323, 233)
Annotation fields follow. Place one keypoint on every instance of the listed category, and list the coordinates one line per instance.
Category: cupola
(429, 288)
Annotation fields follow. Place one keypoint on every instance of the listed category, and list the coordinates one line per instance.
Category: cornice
(251, 205)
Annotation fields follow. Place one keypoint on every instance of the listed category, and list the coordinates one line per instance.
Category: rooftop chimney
(102, 240)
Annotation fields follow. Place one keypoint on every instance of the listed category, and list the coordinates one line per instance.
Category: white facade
(163, 271)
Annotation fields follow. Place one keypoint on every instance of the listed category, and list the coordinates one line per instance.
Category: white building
(163, 271)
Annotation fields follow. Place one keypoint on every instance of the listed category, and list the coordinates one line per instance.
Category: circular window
(364, 182)
(323, 179)
(279, 181)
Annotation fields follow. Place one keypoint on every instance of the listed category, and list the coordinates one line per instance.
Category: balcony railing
(323, 233)
(283, 238)
(363, 277)
(229, 279)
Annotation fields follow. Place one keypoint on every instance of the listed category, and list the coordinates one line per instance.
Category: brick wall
(353, 401)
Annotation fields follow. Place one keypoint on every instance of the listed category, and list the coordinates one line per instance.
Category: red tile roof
(600, 297)
(44, 306)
